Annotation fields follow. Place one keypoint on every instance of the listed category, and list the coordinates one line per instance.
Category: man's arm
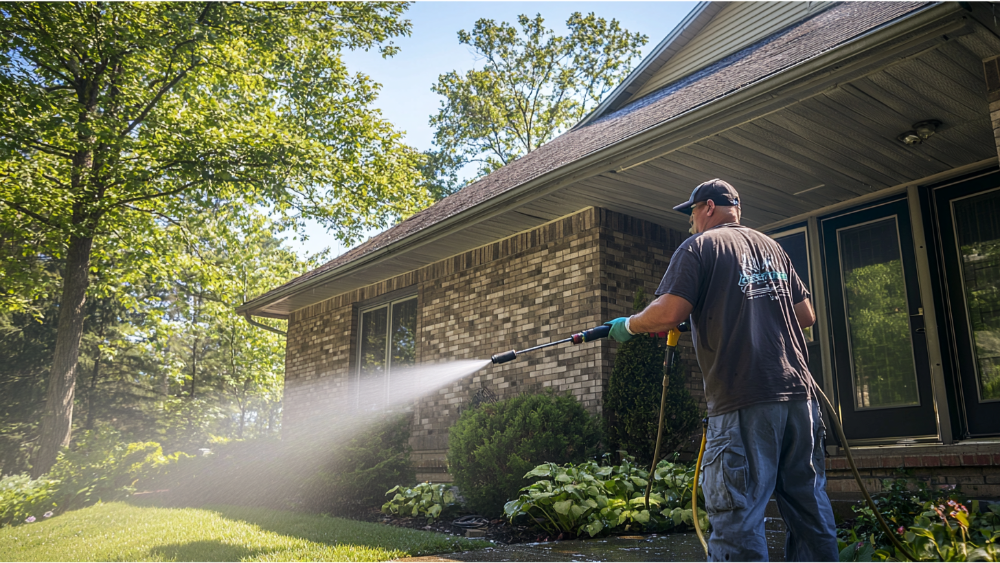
(663, 314)
(803, 313)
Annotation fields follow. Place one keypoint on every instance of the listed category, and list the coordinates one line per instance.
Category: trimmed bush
(632, 401)
(492, 446)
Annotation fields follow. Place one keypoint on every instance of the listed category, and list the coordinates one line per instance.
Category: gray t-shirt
(749, 343)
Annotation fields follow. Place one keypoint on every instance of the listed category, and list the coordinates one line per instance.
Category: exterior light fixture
(921, 131)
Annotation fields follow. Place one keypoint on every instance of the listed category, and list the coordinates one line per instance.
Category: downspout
(263, 326)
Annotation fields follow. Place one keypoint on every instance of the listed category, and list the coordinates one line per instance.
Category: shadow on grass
(332, 532)
(303, 525)
(206, 550)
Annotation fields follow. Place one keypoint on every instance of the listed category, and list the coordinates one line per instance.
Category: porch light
(921, 131)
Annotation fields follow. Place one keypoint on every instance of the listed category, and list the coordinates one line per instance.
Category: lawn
(126, 532)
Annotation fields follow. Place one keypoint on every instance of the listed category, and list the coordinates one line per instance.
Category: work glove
(618, 331)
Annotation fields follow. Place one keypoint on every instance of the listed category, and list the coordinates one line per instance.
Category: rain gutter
(250, 320)
(610, 157)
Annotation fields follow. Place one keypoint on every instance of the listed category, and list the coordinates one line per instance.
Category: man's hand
(618, 331)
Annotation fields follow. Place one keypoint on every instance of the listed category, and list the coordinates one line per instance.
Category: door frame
(954, 347)
(925, 297)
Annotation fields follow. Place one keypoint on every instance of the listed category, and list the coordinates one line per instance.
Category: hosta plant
(592, 499)
(426, 499)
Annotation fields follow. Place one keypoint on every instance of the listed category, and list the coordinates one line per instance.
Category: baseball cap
(716, 190)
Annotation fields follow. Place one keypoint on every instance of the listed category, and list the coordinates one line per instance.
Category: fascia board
(608, 157)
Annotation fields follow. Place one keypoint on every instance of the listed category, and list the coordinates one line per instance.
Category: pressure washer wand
(589, 335)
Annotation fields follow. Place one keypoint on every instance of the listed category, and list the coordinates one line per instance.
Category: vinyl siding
(738, 25)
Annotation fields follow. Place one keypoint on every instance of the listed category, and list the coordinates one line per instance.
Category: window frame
(810, 334)
(385, 301)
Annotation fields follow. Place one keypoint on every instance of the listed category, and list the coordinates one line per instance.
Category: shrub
(632, 401)
(22, 498)
(425, 499)
(362, 470)
(593, 499)
(102, 467)
(492, 446)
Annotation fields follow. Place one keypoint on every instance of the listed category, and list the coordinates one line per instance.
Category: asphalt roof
(793, 45)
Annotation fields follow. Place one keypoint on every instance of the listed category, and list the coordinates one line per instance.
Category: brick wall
(971, 467)
(535, 287)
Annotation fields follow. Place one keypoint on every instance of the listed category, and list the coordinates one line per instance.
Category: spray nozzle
(588, 335)
(504, 357)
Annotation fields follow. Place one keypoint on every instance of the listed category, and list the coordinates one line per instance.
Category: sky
(433, 49)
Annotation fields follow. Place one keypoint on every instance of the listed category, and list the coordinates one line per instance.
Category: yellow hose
(694, 487)
(672, 338)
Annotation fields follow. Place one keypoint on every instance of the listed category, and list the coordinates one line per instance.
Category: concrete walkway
(653, 547)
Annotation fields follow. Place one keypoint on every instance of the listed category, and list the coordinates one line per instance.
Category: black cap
(716, 190)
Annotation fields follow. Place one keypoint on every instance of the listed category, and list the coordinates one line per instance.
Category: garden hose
(672, 337)
(857, 476)
(694, 486)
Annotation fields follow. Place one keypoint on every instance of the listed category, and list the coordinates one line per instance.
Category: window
(386, 340)
(796, 245)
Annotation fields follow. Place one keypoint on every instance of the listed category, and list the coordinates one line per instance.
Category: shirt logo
(762, 278)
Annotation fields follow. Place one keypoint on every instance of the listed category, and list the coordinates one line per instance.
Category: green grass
(125, 532)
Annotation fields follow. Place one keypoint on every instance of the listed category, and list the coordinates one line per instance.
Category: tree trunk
(92, 390)
(57, 418)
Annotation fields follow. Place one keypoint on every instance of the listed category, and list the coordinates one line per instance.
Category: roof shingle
(803, 41)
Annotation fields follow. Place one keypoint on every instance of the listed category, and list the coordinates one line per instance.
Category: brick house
(862, 136)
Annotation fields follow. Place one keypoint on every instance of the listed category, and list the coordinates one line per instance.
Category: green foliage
(597, 499)
(948, 531)
(492, 446)
(100, 466)
(532, 86)
(124, 118)
(22, 497)
(900, 501)
(103, 467)
(632, 400)
(425, 499)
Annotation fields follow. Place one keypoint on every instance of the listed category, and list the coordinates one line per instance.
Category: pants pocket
(726, 476)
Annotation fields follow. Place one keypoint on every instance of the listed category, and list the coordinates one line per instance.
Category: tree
(532, 86)
(116, 112)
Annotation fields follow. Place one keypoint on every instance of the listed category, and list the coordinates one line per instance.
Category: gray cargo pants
(754, 452)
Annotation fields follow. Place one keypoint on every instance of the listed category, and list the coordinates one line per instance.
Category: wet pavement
(652, 547)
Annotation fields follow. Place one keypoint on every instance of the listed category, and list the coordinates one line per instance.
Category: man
(765, 434)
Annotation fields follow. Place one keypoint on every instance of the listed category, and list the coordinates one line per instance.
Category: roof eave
(610, 155)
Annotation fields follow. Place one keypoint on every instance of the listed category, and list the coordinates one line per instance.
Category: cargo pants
(754, 452)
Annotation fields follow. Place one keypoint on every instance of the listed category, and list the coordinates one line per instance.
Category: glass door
(879, 348)
(969, 216)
